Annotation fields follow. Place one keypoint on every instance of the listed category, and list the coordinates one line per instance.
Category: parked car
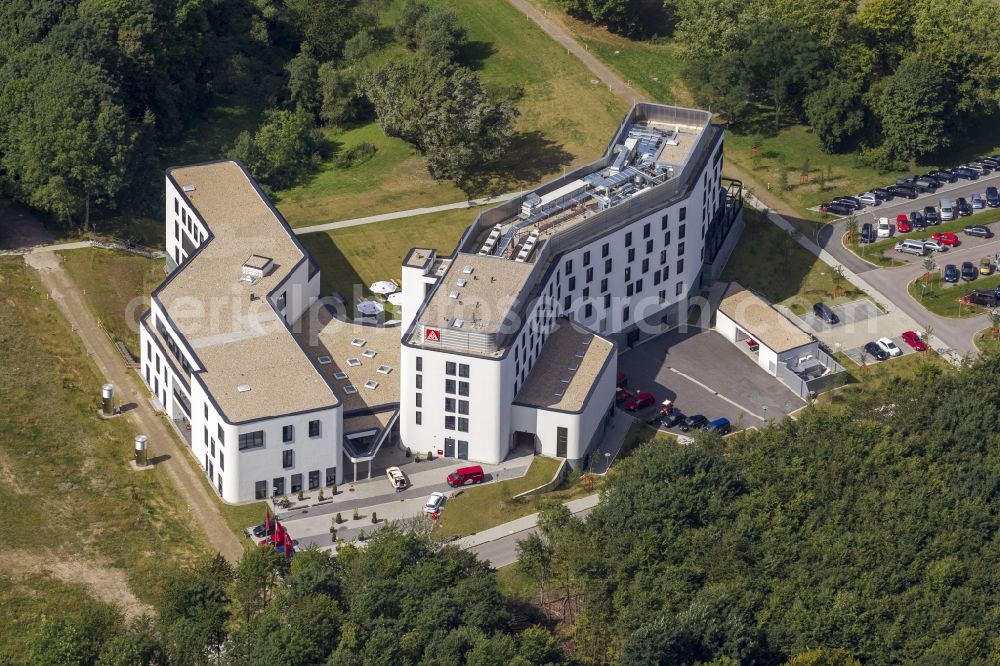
(968, 271)
(945, 176)
(869, 198)
(963, 207)
(621, 379)
(927, 184)
(396, 478)
(719, 426)
(884, 228)
(977, 201)
(889, 347)
(434, 503)
(639, 401)
(985, 266)
(823, 311)
(978, 167)
(883, 193)
(867, 234)
(854, 202)
(910, 246)
(836, 208)
(903, 191)
(986, 299)
(912, 339)
(692, 422)
(931, 215)
(903, 224)
(932, 244)
(917, 220)
(672, 419)
(978, 230)
(466, 475)
(945, 238)
(947, 210)
(965, 173)
(992, 163)
(951, 273)
(876, 352)
(992, 197)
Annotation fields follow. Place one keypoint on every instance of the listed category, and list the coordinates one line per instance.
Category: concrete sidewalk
(413, 212)
(522, 524)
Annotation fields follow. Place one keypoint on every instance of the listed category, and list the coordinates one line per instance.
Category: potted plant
(430, 455)
(333, 489)
(409, 453)
(356, 514)
(416, 458)
(374, 518)
(338, 518)
(321, 495)
(361, 535)
(301, 495)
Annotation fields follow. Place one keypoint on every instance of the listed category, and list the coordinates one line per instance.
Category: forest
(95, 95)
(893, 80)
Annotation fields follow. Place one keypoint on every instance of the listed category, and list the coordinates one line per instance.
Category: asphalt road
(892, 281)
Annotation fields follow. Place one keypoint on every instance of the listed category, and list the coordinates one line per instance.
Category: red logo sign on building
(432, 335)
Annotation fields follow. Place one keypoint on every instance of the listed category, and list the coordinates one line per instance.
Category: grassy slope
(476, 509)
(565, 120)
(116, 287)
(942, 298)
(67, 490)
(771, 262)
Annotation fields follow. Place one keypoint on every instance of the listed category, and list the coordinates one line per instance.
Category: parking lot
(859, 356)
(851, 314)
(703, 373)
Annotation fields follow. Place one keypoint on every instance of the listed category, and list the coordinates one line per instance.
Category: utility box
(140, 451)
(107, 399)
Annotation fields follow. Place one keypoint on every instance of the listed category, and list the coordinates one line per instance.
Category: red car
(945, 238)
(621, 380)
(903, 224)
(912, 339)
(639, 401)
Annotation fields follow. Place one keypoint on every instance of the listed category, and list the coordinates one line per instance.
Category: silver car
(934, 245)
(869, 199)
(434, 503)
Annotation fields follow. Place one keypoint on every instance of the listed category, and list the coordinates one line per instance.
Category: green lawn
(116, 286)
(873, 378)
(67, 490)
(875, 250)
(477, 509)
(358, 256)
(565, 121)
(771, 262)
(942, 298)
(988, 341)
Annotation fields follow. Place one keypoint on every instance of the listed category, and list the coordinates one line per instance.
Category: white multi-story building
(511, 340)
(268, 387)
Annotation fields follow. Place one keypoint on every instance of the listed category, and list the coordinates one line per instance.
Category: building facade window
(419, 401)
(625, 314)
(586, 258)
(683, 215)
(278, 486)
(288, 458)
(449, 422)
(296, 483)
(418, 418)
(605, 250)
(588, 310)
(419, 381)
(680, 288)
(680, 249)
(645, 230)
(463, 424)
(222, 461)
(681, 231)
(680, 266)
(463, 407)
(604, 285)
(631, 254)
(251, 440)
(221, 435)
(260, 490)
(449, 405)
(463, 369)
(287, 433)
(590, 275)
(314, 428)
(450, 368)
(645, 266)
(449, 386)
(562, 441)
(463, 389)
(420, 364)
(628, 239)
(331, 476)
(607, 266)
(314, 479)
(572, 283)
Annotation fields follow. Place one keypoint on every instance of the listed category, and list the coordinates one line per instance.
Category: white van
(947, 210)
(884, 228)
(912, 247)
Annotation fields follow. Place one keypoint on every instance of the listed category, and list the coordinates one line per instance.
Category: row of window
(278, 483)
(255, 439)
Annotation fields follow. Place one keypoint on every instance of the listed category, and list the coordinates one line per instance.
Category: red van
(639, 401)
(466, 475)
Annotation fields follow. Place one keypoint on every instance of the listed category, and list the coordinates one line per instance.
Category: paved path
(413, 212)
(129, 388)
(498, 545)
(557, 32)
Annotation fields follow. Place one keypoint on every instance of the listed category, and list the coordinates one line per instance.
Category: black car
(963, 207)
(883, 193)
(969, 271)
(927, 184)
(903, 191)
(978, 230)
(917, 220)
(931, 215)
(672, 419)
(867, 234)
(823, 311)
(977, 165)
(944, 176)
(835, 208)
(986, 299)
(991, 163)
(965, 173)
(693, 422)
(850, 201)
(877, 352)
(992, 197)
(951, 273)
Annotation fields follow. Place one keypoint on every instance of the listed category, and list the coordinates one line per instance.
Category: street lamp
(923, 288)
(607, 461)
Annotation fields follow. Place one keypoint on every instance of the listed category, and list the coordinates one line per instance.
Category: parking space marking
(716, 393)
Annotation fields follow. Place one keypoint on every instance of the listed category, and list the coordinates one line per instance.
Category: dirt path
(557, 32)
(163, 442)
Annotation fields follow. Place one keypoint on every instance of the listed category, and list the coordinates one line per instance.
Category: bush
(374, 518)
(338, 518)
(356, 514)
(321, 496)
(430, 455)
(333, 489)
(356, 155)
(417, 458)
(301, 496)
(409, 453)
(361, 535)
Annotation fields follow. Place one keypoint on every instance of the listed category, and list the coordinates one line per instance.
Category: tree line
(896, 81)
(95, 96)
(861, 532)
(400, 600)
